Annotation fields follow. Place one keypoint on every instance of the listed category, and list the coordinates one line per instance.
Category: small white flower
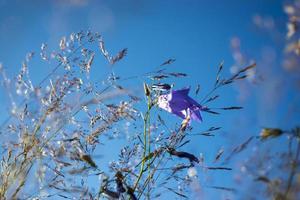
(192, 172)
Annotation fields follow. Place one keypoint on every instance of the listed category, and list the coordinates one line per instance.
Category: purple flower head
(179, 103)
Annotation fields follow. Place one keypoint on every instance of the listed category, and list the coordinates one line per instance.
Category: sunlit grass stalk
(22, 182)
(27, 148)
(293, 170)
(52, 72)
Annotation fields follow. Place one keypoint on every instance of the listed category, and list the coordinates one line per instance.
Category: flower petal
(179, 103)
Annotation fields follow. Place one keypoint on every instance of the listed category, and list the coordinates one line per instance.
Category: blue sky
(197, 33)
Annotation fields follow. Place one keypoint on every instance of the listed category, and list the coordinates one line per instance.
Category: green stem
(151, 173)
(146, 119)
(149, 145)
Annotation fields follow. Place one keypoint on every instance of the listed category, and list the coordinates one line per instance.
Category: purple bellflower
(179, 103)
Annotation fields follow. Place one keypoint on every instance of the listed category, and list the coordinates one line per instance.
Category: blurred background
(199, 34)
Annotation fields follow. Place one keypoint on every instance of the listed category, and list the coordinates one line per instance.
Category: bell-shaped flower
(179, 103)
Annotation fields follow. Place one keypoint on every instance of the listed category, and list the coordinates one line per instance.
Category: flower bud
(270, 132)
(146, 90)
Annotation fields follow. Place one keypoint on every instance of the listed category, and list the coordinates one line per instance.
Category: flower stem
(146, 123)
